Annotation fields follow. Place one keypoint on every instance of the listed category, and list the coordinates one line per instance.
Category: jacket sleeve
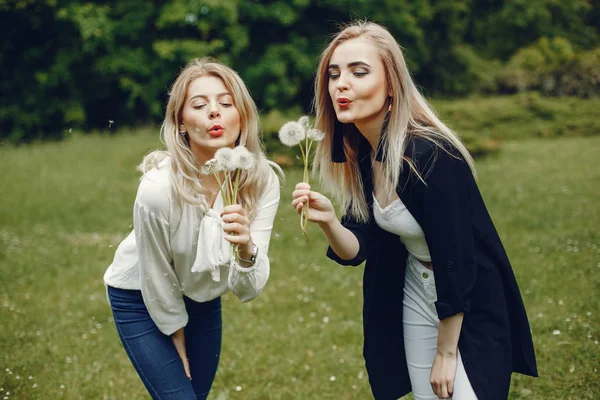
(364, 234)
(448, 231)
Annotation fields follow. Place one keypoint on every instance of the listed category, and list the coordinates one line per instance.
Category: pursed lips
(216, 130)
(343, 102)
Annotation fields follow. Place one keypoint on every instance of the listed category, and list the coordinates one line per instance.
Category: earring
(391, 102)
(181, 130)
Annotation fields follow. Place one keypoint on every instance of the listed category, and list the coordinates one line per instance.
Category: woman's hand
(320, 209)
(442, 375)
(237, 228)
(179, 342)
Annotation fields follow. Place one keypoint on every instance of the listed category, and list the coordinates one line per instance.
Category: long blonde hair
(410, 114)
(184, 167)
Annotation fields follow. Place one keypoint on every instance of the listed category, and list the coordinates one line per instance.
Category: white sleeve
(161, 289)
(247, 283)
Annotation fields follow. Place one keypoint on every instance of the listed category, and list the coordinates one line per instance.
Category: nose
(214, 111)
(341, 84)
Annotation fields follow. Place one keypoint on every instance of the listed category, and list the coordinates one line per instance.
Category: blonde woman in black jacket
(443, 316)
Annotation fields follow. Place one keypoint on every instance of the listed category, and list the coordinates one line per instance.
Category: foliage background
(73, 64)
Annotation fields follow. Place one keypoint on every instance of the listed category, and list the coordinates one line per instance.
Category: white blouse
(163, 256)
(395, 218)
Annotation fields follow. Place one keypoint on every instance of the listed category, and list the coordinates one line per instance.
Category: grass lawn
(65, 206)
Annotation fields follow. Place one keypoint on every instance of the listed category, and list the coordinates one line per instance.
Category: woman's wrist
(328, 224)
(447, 352)
(247, 254)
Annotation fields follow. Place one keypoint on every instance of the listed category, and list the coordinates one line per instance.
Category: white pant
(421, 328)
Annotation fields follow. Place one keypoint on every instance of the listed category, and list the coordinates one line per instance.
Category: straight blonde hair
(410, 114)
(184, 167)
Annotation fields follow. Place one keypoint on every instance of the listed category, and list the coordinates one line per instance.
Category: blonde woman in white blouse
(164, 285)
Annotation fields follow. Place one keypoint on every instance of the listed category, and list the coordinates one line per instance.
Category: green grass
(65, 206)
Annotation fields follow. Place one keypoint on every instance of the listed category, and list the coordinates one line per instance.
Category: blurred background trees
(71, 64)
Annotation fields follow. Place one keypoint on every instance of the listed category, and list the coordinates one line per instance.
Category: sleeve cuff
(244, 270)
(445, 310)
(169, 329)
(357, 260)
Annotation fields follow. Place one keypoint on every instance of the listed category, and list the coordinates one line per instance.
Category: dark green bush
(72, 64)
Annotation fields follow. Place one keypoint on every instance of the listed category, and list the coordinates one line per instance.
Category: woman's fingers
(236, 224)
(236, 233)
(233, 209)
(236, 218)
(301, 193)
(179, 342)
(235, 227)
(443, 390)
(299, 200)
(186, 368)
(302, 186)
(320, 208)
(237, 239)
(450, 388)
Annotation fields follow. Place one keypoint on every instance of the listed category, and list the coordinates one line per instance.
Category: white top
(395, 218)
(170, 240)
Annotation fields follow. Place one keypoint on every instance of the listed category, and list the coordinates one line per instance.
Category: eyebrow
(350, 65)
(206, 97)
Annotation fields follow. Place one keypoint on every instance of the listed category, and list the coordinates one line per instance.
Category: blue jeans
(153, 354)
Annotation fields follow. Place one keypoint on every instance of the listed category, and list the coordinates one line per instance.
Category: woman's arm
(160, 286)
(247, 280)
(448, 229)
(443, 371)
(345, 243)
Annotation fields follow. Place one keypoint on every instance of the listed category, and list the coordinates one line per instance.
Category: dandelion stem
(220, 182)
(230, 188)
(305, 178)
(303, 155)
(236, 185)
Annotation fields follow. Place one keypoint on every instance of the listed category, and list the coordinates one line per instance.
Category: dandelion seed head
(304, 121)
(291, 133)
(243, 159)
(211, 166)
(225, 157)
(315, 135)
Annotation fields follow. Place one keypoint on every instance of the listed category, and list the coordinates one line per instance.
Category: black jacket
(472, 275)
